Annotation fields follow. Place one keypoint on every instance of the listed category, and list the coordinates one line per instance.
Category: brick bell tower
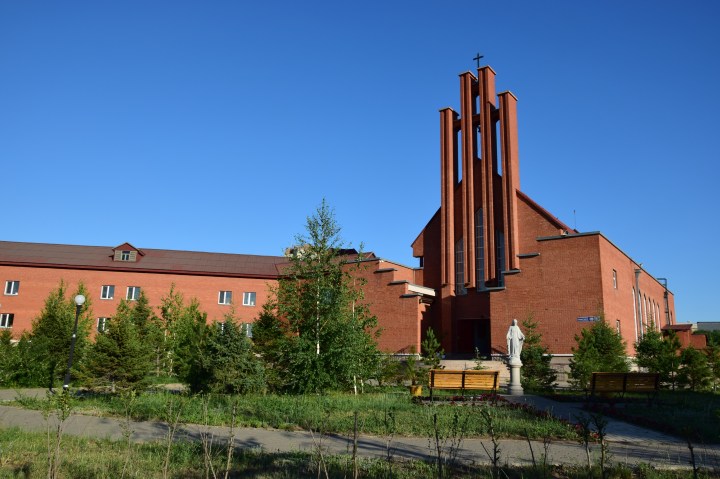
(478, 212)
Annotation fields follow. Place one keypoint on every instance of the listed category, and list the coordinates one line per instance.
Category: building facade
(222, 283)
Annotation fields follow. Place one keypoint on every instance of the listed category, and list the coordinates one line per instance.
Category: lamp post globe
(79, 301)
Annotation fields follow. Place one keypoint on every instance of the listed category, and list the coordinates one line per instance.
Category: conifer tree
(188, 332)
(599, 349)
(694, 370)
(226, 363)
(119, 359)
(713, 358)
(658, 354)
(327, 327)
(536, 372)
(149, 329)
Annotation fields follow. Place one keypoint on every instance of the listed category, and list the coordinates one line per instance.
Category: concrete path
(627, 444)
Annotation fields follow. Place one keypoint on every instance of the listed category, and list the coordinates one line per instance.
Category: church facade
(492, 254)
(489, 255)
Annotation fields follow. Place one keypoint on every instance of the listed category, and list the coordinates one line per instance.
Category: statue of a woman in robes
(515, 339)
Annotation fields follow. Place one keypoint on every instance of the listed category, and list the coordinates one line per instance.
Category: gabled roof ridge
(131, 247)
(545, 213)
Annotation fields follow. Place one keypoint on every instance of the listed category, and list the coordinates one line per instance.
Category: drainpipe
(637, 292)
(667, 307)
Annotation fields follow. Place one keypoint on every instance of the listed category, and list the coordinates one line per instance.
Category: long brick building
(220, 282)
(489, 254)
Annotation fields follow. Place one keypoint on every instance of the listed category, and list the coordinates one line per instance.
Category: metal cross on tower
(477, 59)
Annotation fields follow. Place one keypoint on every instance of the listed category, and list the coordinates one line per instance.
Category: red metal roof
(154, 260)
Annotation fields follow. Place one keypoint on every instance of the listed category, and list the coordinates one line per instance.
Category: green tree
(272, 339)
(172, 307)
(536, 372)
(188, 332)
(694, 370)
(226, 363)
(599, 349)
(8, 359)
(712, 351)
(52, 333)
(319, 308)
(150, 328)
(119, 359)
(659, 355)
(431, 349)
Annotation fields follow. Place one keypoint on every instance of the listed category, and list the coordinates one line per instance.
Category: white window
(125, 256)
(12, 287)
(614, 279)
(617, 326)
(6, 320)
(133, 293)
(225, 297)
(102, 324)
(107, 291)
(249, 299)
(248, 329)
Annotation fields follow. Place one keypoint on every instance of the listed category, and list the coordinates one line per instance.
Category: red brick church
(489, 254)
(492, 254)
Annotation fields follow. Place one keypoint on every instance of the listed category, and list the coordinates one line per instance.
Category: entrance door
(474, 333)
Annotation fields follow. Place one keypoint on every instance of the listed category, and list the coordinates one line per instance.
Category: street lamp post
(79, 301)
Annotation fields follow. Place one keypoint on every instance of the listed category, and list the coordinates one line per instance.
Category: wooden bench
(465, 379)
(605, 383)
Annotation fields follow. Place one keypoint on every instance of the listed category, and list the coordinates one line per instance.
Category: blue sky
(219, 126)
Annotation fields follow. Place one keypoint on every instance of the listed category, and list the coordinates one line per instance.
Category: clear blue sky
(219, 126)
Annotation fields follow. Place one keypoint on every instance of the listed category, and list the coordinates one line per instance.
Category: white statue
(515, 339)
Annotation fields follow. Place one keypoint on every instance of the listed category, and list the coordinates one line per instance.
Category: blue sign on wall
(588, 318)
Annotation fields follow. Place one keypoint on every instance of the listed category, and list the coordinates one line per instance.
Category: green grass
(24, 455)
(691, 415)
(377, 413)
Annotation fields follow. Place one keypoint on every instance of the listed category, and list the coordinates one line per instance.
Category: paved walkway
(627, 443)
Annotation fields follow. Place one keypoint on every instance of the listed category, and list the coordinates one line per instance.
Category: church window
(479, 250)
(460, 268)
(500, 239)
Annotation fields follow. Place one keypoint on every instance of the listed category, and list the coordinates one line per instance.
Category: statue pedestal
(514, 388)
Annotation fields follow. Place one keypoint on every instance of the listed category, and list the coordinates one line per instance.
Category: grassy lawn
(25, 455)
(378, 413)
(687, 414)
